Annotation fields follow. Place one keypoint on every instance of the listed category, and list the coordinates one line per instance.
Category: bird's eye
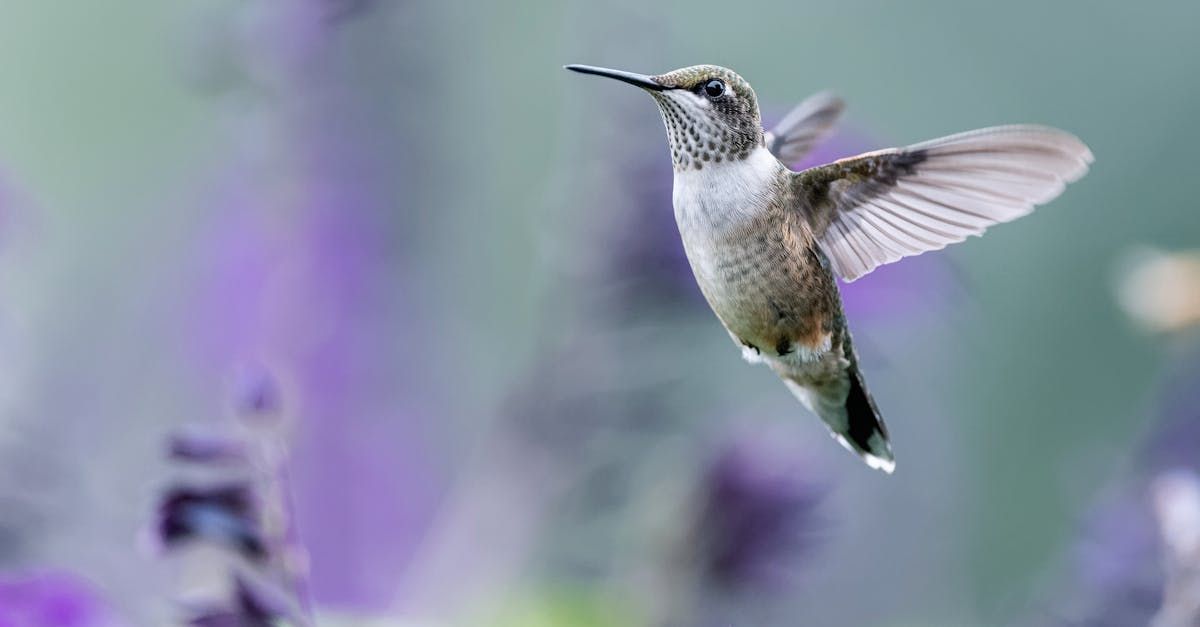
(714, 88)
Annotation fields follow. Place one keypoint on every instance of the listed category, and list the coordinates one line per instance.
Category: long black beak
(641, 80)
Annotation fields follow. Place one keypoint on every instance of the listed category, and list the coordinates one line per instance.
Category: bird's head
(710, 112)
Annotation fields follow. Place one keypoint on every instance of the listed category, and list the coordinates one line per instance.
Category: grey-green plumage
(766, 243)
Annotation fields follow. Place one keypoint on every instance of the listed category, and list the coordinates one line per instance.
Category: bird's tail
(848, 409)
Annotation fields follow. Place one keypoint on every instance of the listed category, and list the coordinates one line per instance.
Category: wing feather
(804, 126)
(882, 206)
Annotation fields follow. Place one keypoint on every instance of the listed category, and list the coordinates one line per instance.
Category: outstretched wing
(804, 126)
(878, 207)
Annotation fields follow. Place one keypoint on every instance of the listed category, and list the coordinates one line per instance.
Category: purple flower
(1119, 558)
(206, 446)
(758, 515)
(1176, 498)
(223, 514)
(303, 267)
(51, 599)
(249, 516)
(646, 258)
(1119, 578)
(254, 604)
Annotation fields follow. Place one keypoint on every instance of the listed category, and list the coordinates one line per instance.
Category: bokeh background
(446, 272)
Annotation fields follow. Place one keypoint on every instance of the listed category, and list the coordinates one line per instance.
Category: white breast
(719, 196)
(710, 206)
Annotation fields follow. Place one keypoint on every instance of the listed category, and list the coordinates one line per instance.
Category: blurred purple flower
(250, 516)
(224, 514)
(206, 446)
(648, 263)
(1119, 558)
(253, 605)
(757, 518)
(1176, 497)
(754, 526)
(51, 599)
(303, 267)
(1117, 562)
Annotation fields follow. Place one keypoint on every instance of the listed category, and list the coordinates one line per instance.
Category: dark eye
(714, 88)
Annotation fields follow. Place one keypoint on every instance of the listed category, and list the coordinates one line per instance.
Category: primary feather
(881, 206)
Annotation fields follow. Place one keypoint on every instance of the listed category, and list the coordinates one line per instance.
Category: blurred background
(367, 311)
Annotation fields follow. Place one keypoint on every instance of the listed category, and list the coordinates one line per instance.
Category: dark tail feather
(865, 432)
(848, 410)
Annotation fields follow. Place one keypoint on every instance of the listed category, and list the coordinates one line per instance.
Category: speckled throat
(703, 130)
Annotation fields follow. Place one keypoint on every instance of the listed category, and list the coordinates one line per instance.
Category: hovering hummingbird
(765, 243)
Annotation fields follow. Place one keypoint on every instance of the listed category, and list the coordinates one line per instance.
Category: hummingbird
(767, 244)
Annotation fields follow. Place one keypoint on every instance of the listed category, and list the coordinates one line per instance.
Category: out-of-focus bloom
(1139, 560)
(1160, 290)
(757, 516)
(1129, 563)
(647, 258)
(1177, 505)
(51, 599)
(254, 604)
(206, 446)
(257, 573)
(1116, 567)
(301, 264)
(1177, 501)
(224, 514)
(750, 530)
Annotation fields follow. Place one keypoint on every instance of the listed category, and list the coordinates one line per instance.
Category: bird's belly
(765, 297)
